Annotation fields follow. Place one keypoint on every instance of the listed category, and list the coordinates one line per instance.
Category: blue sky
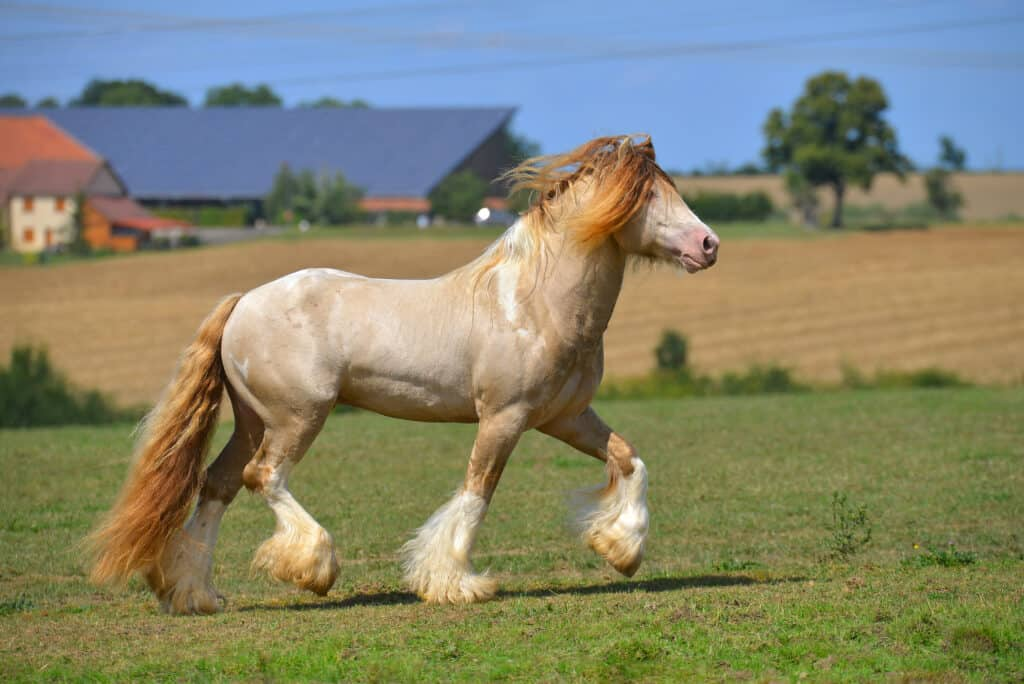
(700, 77)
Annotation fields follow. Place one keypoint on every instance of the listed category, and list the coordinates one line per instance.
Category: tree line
(139, 93)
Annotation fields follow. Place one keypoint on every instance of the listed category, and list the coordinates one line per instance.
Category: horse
(511, 341)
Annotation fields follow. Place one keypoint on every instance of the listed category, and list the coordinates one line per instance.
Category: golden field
(987, 196)
(951, 297)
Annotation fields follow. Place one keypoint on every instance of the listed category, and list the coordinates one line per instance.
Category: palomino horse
(512, 341)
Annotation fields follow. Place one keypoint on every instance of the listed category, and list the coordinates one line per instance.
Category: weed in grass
(18, 604)
(735, 565)
(850, 530)
(949, 557)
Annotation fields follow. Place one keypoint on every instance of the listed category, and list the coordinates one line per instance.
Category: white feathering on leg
(436, 561)
(613, 520)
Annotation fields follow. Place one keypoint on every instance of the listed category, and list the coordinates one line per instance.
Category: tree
(951, 157)
(459, 196)
(337, 201)
(519, 148)
(79, 245)
(282, 194)
(328, 102)
(835, 135)
(48, 103)
(238, 95)
(12, 101)
(127, 93)
(937, 181)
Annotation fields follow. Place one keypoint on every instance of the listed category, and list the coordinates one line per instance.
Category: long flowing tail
(167, 472)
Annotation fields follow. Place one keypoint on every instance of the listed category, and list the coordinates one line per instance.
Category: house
(182, 156)
(44, 172)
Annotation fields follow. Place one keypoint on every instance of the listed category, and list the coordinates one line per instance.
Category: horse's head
(613, 189)
(665, 229)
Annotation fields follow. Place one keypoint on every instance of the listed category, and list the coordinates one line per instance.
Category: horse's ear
(645, 147)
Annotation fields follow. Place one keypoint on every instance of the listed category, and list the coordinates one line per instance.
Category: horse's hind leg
(182, 579)
(300, 551)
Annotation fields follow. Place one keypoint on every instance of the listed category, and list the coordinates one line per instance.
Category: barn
(181, 156)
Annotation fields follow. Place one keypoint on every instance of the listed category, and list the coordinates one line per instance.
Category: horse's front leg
(613, 518)
(436, 561)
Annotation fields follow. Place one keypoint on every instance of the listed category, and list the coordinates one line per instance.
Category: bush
(33, 393)
(459, 196)
(671, 352)
(727, 206)
(759, 380)
(850, 530)
(209, 215)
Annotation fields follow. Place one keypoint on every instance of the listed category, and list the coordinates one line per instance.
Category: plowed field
(952, 298)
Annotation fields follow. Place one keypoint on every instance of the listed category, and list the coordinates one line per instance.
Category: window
(27, 202)
(28, 235)
(59, 204)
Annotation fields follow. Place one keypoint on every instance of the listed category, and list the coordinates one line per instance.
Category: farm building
(182, 156)
(44, 172)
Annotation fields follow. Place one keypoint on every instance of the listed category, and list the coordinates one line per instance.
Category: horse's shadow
(653, 585)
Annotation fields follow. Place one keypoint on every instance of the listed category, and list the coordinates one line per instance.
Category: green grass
(734, 584)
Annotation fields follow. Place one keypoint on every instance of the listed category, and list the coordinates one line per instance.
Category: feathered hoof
(190, 600)
(308, 562)
(623, 552)
(467, 587)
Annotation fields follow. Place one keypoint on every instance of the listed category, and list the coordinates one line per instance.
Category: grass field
(950, 297)
(733, 587)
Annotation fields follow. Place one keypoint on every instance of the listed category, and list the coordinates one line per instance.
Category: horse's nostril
(709, 245)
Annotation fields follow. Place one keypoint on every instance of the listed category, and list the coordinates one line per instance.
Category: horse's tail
(167, 471)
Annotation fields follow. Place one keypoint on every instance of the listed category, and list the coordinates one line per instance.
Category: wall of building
(489, 161)
(47, 223)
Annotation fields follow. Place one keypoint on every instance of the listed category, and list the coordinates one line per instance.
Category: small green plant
(850, 530)
(949, 557)
(18, 604)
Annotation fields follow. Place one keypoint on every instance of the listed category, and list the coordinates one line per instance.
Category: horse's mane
(620, 172)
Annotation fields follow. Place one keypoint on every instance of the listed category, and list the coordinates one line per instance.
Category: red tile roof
(126, 212)
(52, 177)
(25, 138)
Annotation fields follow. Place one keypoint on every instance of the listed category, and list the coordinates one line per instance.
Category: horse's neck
(579, 288)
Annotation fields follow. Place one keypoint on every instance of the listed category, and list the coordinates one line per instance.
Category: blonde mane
(620, 172)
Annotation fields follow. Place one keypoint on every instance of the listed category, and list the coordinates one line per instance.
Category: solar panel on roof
(233, 153)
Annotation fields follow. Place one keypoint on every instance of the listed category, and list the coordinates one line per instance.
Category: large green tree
(239, 95)
(126, 93)
(835, 136)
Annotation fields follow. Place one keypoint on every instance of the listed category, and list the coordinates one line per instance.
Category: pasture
(734, 586)
(951, 297)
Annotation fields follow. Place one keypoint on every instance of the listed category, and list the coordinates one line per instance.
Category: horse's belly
(408, 398)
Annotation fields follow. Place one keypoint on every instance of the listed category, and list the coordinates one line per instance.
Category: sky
(699, 77)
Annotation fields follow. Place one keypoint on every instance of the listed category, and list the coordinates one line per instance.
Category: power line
(661, 52)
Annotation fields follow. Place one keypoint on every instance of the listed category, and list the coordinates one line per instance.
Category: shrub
(33, 392)
(850, 528)
(759, 380)
(459, 196)
(670, 353)
(727, 206)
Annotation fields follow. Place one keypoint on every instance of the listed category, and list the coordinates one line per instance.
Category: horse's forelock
(621, 168)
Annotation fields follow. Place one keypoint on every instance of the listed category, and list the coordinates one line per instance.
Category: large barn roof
(233, 153)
